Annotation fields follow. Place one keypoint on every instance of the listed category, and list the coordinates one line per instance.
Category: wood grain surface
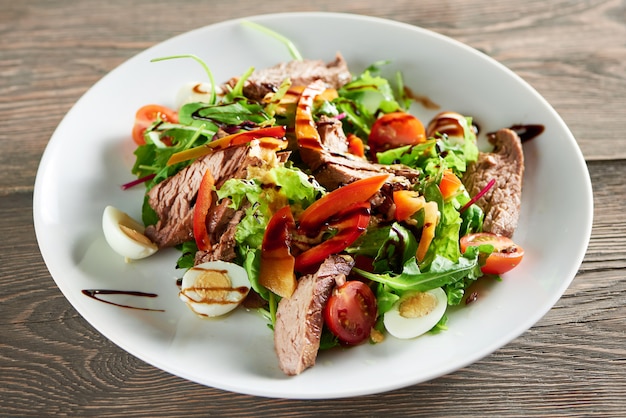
(571, 363)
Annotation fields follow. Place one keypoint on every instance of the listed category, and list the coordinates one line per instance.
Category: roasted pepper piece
(449, 184)
(338, 200)
(306, 130)
(407, 203)
(277, 263)
(201, 210)
(349, 223)
(289, 101)
(273, 136)
(355, 146)
(431, 219)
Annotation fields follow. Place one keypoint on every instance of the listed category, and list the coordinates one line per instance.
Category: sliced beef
(301, 73)
(505, 164)
(333, 167)
(173, 199)
(332, 135)
(299, 318)
(337, 170)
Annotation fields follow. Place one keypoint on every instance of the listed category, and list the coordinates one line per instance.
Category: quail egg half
(214, 288)
(125, 235)
(416, 313)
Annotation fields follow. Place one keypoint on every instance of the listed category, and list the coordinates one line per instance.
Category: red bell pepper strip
(201, 210)
(277, 263)
(271, 134)
(339, 199)
(350, 223)
(306, 131)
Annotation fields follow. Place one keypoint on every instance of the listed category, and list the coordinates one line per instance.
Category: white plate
(90, 156)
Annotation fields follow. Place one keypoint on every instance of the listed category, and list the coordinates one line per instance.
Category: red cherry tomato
(351, 311)
(395, 130)
(506, 254)
(147, 115)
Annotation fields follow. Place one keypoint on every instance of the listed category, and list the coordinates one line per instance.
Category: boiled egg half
(125, 235)
(415, 313)
(214, 288)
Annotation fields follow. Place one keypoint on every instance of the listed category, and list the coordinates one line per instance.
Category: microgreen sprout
(213, 98)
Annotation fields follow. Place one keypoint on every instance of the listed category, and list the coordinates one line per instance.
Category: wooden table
(572, 362)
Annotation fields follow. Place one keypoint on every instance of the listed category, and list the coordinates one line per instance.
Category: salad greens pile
(391, 246)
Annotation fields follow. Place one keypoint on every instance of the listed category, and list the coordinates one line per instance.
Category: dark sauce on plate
(525, 132)
(94, 293)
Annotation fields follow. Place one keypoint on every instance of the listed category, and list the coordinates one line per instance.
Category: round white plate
(90, 156)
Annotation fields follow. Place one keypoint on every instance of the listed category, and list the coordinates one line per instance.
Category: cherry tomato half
(147, 115)
(506, 254)
(351, 311)
(394, 130)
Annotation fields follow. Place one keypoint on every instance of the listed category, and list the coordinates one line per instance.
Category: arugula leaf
(385, 298)
(410, 155)
(236, 113)
(188, 253)
(363, 98)
(152, 157)
(441, 273)
(390, 246)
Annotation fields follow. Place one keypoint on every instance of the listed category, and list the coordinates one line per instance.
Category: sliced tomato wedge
(147, 115)
(350, 312)
(506, 254)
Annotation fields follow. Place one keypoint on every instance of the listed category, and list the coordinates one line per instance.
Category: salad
(314, 196)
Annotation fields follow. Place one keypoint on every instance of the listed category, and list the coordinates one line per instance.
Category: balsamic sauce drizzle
(93, 293)
(525, 132)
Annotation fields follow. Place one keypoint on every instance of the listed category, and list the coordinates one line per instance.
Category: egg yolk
(135, 235)
(212, 286)
(417, 305)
